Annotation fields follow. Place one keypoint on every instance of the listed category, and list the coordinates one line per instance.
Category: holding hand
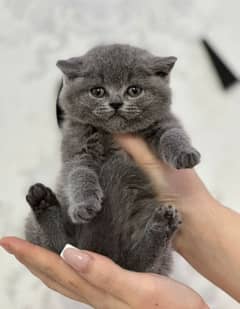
(97, 281)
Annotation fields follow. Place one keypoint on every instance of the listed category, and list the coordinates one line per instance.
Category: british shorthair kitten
(103, 202)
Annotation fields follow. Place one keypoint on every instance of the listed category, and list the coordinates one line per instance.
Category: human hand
(178, 186)
(97, 281)
(181, 188)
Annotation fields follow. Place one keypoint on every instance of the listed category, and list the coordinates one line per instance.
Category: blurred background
(35, 34)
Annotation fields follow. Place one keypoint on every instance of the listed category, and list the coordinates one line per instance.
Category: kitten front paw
(186, 159)
(85, 211)
(40, 198)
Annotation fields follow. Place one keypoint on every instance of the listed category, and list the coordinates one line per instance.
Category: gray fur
(103, 201)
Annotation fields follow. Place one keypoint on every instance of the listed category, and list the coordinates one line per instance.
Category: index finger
(41, 260)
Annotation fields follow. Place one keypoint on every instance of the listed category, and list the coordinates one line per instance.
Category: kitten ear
(162, 66)
(71, 67)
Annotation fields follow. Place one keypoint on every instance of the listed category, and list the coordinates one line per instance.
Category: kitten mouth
(126, 115)
(117, 115)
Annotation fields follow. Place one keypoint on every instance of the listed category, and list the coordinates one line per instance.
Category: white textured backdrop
(34, 34)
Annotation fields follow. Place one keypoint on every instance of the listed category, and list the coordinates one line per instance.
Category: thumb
(155, 169)
(169, 184)
(135, 290)
(103, 273)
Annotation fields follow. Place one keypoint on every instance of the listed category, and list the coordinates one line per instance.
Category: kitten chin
(120, 125)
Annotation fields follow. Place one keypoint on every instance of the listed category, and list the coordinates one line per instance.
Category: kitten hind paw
(85, 211)
(40, 198)
(166, 219)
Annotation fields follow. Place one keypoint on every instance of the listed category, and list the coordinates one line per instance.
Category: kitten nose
(116, 105)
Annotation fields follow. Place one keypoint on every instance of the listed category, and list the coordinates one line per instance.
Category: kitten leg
(175, 149)
(152, 252)
(46, 227)
(161, 229)
(83, 156)
(85, 195)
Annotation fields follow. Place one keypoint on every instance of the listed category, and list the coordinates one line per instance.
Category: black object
(226, 76)
(59, 111)
(116, 105)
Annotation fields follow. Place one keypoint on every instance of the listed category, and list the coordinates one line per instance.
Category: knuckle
(73, 284)
(49, 284)
(47, 269)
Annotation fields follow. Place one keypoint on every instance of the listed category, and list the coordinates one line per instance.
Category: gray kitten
(103, 201)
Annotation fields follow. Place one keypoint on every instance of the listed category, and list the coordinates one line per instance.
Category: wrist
(198, 216)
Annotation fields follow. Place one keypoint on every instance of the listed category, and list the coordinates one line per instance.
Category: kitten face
(116, 87)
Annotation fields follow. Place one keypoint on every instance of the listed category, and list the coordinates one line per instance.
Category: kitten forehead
(128, 52)
(115, 63)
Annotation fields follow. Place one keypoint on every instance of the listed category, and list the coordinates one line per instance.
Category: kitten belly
(123, 229)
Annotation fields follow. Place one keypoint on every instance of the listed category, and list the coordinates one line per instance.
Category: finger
(103, 273)
(140, 290)
(155, 169)
(137, 148)
(107, 301)
(55, 286)
(52, 266)
(169, 184)
(41, 262)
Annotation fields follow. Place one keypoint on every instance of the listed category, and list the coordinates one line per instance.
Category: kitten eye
(134, 91)
(98, 92)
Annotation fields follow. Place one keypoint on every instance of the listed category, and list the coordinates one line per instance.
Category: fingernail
(78, 259)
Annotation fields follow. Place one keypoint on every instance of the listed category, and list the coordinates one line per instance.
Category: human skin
(210, 233)
(98, 281)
